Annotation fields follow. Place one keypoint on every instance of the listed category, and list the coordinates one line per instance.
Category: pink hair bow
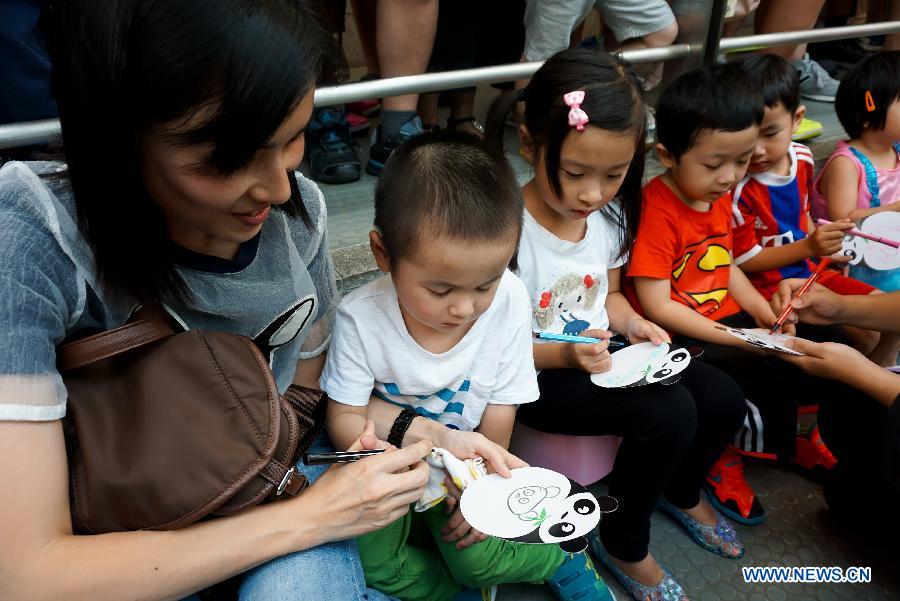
(577, 117)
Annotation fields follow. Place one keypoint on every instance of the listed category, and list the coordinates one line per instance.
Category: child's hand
(827, 239)
(766, 318)
(457, 528)
(641, 330)
(592, 358)
(465, 445)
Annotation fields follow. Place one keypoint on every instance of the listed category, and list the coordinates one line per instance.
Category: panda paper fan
(644, 363)
(870, 253)
(534, 506)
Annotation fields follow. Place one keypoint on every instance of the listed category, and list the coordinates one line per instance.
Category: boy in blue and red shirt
(774, 235)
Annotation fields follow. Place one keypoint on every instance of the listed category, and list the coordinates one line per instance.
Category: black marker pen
(338, 456)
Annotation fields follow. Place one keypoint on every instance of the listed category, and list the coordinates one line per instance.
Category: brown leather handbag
(165, 428)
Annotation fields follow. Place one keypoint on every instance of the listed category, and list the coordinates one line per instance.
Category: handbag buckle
(286, 481)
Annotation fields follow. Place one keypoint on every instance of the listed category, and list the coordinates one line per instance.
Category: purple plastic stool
(585, 459)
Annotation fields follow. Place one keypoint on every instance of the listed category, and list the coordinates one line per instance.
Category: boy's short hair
(446, 183)
(715, 97)
(878, 74)
(776, 78)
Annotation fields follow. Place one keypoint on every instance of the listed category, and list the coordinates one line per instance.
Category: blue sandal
(577, 580)
(668, 588)
(720, 539)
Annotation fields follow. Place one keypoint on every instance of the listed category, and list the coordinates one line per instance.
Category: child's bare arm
(654, 295)
(750, 300)
(840, 185)
(497, 423)
(345, 423)
(624, 319)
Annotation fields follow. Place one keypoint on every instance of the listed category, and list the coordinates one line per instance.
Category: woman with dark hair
(182, 128)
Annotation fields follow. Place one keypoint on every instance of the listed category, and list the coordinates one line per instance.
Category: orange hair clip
(870, 102)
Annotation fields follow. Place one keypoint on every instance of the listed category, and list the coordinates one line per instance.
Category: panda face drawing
(524, 501)
(534, 506)
(576, 517)
(671, 365)
(852, 247)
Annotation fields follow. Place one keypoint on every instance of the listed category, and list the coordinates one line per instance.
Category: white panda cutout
(534, 506)
(875, 255)
(761, 338)
(642, 364)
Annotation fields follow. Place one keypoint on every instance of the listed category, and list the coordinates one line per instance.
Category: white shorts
(549, 23)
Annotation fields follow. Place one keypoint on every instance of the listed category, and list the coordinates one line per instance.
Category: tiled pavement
(798, 530)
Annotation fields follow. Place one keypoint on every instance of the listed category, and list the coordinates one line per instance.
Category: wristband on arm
(401, 425)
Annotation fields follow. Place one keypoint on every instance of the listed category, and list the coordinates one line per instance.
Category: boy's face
(714, 165)
(771, 152)
(446, 284)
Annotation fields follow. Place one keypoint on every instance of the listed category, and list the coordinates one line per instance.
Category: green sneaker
(808, 129)
(577, 580)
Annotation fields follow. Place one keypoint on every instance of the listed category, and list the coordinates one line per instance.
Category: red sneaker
(729, 492)
(812, 451)
(366, 108)
(359, 125)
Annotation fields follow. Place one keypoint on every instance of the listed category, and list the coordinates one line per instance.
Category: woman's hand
(643, 330)
(457, 528)
(466, 445)
(831, 360)
(847, 365)
(592, 358)
(818, 305)
(369, 494)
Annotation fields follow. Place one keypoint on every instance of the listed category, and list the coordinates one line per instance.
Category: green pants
(408, 560)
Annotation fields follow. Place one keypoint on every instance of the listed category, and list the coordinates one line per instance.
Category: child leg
(720, 412)
(493, 561)
(398, 569)
(657, 425)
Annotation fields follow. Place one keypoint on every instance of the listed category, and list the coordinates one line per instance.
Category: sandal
(720, 539)
(668, 588)
(467, 124)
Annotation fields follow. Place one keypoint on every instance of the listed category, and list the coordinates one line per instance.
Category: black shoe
(332, 153)
(848, 52)
(381, 148)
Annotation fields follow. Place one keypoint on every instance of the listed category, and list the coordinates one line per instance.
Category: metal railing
(39, 132)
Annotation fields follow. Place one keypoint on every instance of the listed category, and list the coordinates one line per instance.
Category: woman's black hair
(612, 101)
(124, 66)
(878, 74)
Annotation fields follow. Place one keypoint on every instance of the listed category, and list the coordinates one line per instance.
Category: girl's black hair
(612, 101)
(124, 66)
(878, 74)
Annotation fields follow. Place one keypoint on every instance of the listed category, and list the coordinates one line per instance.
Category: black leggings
(774, 388)
(671, 437)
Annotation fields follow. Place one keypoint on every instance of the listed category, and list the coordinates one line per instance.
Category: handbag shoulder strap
(110, 343)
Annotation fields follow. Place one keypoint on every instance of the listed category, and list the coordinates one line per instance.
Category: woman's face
(213, 214)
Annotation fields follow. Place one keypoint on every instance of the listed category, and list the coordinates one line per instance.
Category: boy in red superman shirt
(686, 280)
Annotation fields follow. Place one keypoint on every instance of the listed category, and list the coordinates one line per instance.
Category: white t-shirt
(372, 352)
(567, 281)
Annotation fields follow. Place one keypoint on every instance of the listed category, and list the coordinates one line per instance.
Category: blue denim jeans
(328, 572)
